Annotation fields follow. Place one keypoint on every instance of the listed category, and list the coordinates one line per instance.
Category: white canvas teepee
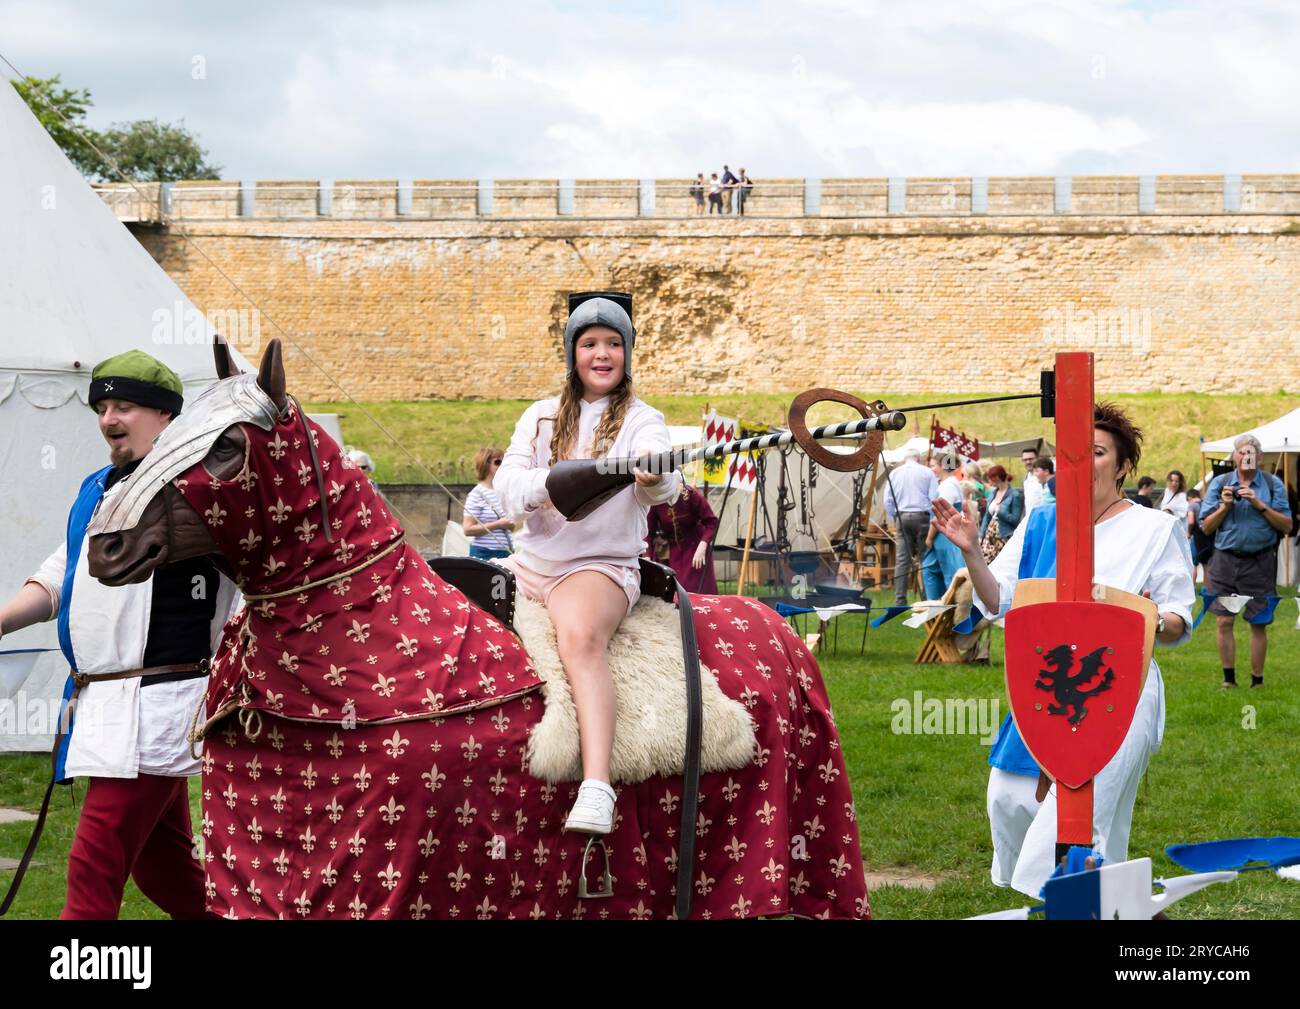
(75, 288)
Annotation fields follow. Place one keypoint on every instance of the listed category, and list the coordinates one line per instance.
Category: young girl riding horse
(587, 572)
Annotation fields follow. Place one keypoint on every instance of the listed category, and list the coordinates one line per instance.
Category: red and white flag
(739, 470)
(943, 439)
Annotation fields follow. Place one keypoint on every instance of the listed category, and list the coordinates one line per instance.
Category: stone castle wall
(453, 289)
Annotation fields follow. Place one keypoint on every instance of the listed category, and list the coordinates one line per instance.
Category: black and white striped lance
(669, 461)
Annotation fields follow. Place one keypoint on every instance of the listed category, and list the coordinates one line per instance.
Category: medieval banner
(944, 439)
(740, 470)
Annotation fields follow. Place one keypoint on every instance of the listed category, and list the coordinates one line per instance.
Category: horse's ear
(270, 375)
(221, 356)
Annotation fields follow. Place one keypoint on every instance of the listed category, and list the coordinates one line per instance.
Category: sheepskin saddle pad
(645, 660)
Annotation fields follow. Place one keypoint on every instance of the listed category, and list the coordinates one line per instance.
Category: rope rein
(250, 719)
(315, 465)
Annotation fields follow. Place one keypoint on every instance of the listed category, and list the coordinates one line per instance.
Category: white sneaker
(593, 812)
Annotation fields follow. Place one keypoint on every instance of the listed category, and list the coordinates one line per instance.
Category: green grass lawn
(22, 784)
(920, 799)
(445, 434)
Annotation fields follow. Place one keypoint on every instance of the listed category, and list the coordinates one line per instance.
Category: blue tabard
(88, 498)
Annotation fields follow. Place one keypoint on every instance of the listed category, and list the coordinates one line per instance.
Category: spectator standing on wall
(728, 185)
(1247, 513)
(744, 189)
(715, 193)
(697, 194)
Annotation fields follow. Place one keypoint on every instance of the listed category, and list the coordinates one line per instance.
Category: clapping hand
(956, 525)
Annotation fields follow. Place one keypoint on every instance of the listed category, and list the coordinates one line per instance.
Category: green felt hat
(137, 378)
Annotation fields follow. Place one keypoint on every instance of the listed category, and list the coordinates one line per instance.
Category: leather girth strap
(660, 582)
(80, 680)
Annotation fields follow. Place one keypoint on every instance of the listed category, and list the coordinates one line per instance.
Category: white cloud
(1020, 136)
(830, 87)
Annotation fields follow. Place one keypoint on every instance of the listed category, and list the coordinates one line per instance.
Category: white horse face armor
(182, 444)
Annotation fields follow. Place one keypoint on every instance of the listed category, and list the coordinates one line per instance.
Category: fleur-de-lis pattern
(390, 776)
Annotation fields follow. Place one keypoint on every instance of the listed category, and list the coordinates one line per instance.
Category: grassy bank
(1226, 769)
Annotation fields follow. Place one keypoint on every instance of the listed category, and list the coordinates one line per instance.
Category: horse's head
(149, 523)
(243, 473)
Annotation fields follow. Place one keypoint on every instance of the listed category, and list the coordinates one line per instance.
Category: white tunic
(121, 729)
(1138, 550)
(950, 491)
(1175, 503)
(1033, 493)
(612, 534)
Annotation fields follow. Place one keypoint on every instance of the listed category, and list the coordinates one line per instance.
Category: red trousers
(136, 827)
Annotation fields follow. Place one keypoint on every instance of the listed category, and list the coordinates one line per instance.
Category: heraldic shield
(1075, 671)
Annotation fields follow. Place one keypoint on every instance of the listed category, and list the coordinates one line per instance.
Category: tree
(144, 151)
(149, 151)
(62, 111)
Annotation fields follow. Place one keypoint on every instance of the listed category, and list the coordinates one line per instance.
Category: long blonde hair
(564, 433)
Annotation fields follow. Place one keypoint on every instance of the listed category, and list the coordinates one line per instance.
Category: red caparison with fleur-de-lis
(383, 772)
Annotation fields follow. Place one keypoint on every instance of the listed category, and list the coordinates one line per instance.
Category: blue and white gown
(1137, 550)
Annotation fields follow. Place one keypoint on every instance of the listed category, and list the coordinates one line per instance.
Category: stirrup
(606, 880)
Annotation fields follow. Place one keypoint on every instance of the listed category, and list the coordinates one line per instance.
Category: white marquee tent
(1278, 437)
(75, 288)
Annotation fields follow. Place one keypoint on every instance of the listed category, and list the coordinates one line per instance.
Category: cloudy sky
(640, 89)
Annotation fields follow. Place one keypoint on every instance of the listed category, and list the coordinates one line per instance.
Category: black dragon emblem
(1067, 689)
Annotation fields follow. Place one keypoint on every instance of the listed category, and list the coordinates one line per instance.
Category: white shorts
(538, 587)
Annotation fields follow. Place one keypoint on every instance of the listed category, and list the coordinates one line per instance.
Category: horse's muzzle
(117, 559)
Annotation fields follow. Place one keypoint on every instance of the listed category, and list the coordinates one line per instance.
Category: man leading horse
(138, 657)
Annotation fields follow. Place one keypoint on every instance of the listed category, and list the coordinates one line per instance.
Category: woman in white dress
(1175, 500)
(1139, 550)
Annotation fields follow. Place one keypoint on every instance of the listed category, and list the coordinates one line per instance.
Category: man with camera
(1247, 513)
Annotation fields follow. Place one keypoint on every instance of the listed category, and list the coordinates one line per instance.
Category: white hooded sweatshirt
(612, 534)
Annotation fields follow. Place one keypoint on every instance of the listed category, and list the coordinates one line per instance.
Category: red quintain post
(1074, 546)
